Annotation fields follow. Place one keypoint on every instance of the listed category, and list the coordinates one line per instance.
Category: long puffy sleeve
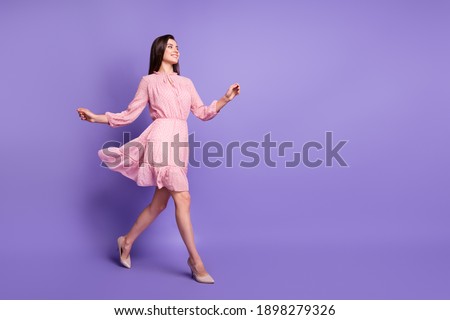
(200, 110)
(133, 110)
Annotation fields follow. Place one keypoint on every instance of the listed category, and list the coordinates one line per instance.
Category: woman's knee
(183, 198)
(161, 206)
(160, 200)
(157, 206)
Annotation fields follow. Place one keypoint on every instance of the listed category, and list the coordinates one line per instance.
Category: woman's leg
(182, 200)
(147, 216)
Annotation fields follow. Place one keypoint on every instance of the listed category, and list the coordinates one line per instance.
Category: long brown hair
(157, 52)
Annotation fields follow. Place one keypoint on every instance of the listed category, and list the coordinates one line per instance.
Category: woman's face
(171, 55)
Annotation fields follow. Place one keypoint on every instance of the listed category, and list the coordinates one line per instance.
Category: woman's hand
(232, 92)
(86, 114)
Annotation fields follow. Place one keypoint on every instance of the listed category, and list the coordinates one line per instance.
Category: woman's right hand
(86, 114)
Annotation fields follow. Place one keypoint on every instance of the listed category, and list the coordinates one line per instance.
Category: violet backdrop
(375, 73)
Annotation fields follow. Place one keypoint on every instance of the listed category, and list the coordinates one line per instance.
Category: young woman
(150, 159)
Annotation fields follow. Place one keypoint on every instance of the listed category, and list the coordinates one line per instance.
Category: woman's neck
(165, 68)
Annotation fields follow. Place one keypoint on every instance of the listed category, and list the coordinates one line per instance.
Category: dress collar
(165, 73)
(167, 76)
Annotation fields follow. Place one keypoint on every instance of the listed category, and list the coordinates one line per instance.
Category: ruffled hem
(145, 175)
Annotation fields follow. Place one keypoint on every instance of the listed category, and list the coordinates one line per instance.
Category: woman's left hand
(232, 92)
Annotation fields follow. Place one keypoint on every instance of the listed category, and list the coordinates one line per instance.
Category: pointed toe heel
(202, 279)
(125, 262)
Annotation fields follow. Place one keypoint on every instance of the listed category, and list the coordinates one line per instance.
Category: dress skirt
(158, 157)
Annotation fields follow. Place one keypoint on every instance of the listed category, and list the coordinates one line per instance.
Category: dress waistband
(170, 119)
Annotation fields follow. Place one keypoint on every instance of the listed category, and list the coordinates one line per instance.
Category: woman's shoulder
(149, 78)
(185, 79)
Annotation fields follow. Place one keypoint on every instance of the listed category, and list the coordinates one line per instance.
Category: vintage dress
(152, 159)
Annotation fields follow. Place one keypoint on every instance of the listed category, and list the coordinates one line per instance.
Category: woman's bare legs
(182, 200)
(147, 216)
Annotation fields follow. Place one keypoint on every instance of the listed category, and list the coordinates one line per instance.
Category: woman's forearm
(221, 103)
(100, 118)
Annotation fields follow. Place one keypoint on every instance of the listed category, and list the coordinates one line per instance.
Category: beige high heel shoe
(202, 279)
(125, 262)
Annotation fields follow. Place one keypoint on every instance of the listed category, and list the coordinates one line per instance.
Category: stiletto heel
(202, 279)
(125, 262)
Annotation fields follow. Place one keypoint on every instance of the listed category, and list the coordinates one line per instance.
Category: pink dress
(160, 155)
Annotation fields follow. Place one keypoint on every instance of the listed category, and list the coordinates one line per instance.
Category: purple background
(375, 73)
